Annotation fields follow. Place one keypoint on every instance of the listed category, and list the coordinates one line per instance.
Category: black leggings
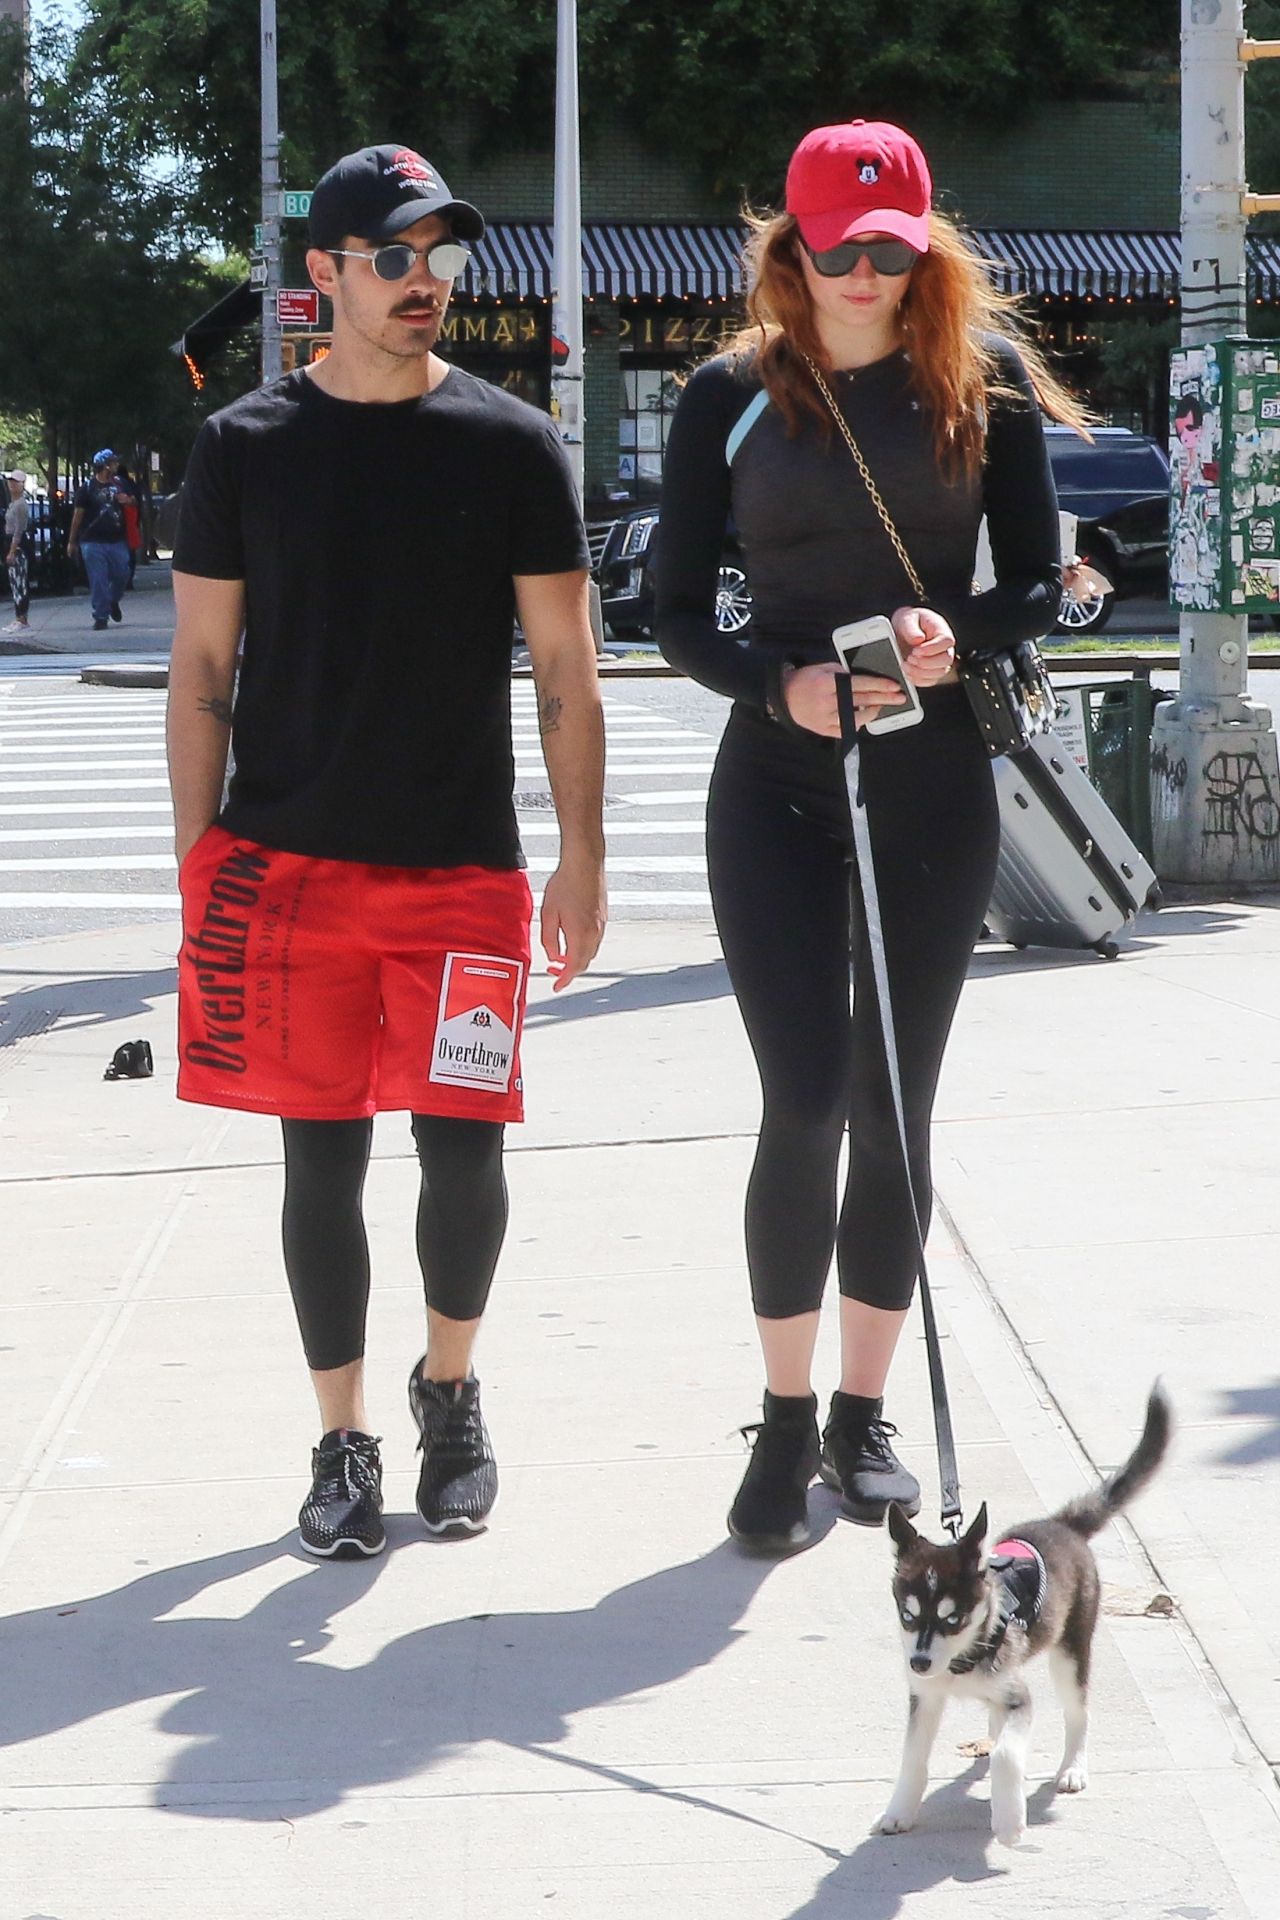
(462, 1217)
(779, 852)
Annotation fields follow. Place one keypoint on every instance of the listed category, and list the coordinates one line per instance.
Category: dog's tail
(1090, 1514)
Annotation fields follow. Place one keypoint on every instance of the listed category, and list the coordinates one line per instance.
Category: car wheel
(733, 598)
(1085, 613)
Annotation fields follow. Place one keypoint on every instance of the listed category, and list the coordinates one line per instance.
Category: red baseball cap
(864, 176)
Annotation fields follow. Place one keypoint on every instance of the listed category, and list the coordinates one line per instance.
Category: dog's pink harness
(1023, 1578)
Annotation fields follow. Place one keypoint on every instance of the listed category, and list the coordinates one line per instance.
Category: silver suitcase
(1069, 875)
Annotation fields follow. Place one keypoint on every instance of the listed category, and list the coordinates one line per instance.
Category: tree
(729, 83)
(100, 264)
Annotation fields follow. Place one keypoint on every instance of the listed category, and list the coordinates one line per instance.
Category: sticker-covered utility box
(1224, 476)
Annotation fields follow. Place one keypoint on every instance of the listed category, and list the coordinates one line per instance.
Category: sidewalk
(64, 623)
(599, 1707)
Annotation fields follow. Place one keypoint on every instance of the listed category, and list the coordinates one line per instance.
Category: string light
(197, 378)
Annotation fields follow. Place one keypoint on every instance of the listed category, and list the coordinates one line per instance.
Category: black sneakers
(859, 1463)
(459, 1480)
(117, 612)
(342, 1514)
(770, 1513)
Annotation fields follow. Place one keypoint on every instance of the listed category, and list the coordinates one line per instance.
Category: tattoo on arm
(220, 709)
(549, 710)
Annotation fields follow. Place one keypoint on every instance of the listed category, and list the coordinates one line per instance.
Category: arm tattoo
(549, 710)
(220, 709)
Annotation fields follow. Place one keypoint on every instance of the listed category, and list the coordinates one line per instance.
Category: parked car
(622, 563)
(1118, 489)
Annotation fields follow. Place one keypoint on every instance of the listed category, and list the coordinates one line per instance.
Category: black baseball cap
(376, 193)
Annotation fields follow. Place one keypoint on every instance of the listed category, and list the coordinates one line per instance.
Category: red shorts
(331, 990)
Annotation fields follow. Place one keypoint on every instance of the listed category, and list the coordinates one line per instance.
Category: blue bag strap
(743, 425)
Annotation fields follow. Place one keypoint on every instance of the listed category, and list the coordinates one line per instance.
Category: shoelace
(879, 1433)
(337, 1471)
(454, 1430)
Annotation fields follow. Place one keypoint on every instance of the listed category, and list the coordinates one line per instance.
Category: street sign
(295, 206)
(257, 273)
(297, 307)
(257, 238)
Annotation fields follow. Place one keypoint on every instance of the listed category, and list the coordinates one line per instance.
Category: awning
(1134, 266)
(619, 261)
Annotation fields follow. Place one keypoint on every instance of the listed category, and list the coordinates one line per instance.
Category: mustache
(418, 306)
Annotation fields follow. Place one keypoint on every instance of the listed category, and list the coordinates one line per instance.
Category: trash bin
(1106, 726)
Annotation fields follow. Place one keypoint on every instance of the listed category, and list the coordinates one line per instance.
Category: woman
(860, 287)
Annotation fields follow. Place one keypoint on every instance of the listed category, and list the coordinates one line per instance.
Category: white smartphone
(869, 646)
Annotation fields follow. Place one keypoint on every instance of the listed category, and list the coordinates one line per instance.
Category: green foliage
(729, 84)
(22, 441)
(100, 270)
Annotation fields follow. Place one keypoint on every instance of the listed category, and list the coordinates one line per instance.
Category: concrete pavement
(599, 1706)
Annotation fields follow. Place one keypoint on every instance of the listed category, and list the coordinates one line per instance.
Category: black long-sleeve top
(816, 552)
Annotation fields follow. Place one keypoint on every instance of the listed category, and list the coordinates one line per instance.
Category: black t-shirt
(377, 543)
(816, 552)
(100, 503)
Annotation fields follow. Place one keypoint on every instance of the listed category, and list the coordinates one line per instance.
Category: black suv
(1118, 489)
(621, 561)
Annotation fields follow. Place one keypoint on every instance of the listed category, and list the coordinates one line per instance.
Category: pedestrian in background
(356, 923)
(131, 506)
(871, 313)
(98, 535)
(15, 552)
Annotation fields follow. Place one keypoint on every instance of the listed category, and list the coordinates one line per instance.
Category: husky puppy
(971, 1621)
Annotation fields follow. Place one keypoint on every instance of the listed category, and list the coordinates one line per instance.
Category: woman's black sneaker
(859, 1463)
(458, 1483)
(771, 1511)
(342, 1515)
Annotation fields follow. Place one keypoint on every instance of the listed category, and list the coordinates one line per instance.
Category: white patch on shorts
(475, 1037)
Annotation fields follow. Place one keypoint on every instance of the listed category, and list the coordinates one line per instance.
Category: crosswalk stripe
(81, 807)
(668, 796)
(73, 786)
(92, 766)
(11, 836)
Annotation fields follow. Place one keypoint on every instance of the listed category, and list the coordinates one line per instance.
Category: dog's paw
(893, 1821)
(1073, 1779)
(1009, 1833)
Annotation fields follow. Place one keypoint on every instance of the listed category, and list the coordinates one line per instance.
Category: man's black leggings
(779, 846)
(462, 1217)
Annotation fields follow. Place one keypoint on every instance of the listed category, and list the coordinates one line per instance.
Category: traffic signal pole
(1212, 748)
(272, 357)
(566, 291)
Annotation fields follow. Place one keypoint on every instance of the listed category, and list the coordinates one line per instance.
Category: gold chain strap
(916, 582)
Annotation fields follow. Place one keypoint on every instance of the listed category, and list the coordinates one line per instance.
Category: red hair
(947, 309)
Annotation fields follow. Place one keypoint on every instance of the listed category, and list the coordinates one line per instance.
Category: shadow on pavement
(1253, 1403)
(79, 1002)
(257, 1708)
(1153, 931)
(635, 993)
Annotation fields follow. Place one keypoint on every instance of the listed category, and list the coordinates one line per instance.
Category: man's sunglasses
(891, 257)
(446, 259)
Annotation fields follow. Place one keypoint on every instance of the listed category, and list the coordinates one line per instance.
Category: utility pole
(272, 364)
(566, 291)
(1212, 736)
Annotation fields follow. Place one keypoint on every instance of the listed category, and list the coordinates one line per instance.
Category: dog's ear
(975, 1535)
(903, 1533)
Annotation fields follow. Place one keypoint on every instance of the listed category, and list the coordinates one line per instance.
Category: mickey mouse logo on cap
(869, 173)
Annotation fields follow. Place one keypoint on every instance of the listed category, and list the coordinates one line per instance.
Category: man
(15, 556)
(98, 533)
(356, 924)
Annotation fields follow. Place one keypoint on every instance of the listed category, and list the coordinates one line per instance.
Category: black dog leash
(864, 879)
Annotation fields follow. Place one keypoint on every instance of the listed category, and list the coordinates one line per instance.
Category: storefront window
(654, 348)
(508, 346)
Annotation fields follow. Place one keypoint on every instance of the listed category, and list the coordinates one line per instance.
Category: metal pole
(1212, 725)
(272, 364)
(566, 292)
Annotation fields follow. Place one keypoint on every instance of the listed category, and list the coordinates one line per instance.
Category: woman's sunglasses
(446, 260)
(892, 257)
